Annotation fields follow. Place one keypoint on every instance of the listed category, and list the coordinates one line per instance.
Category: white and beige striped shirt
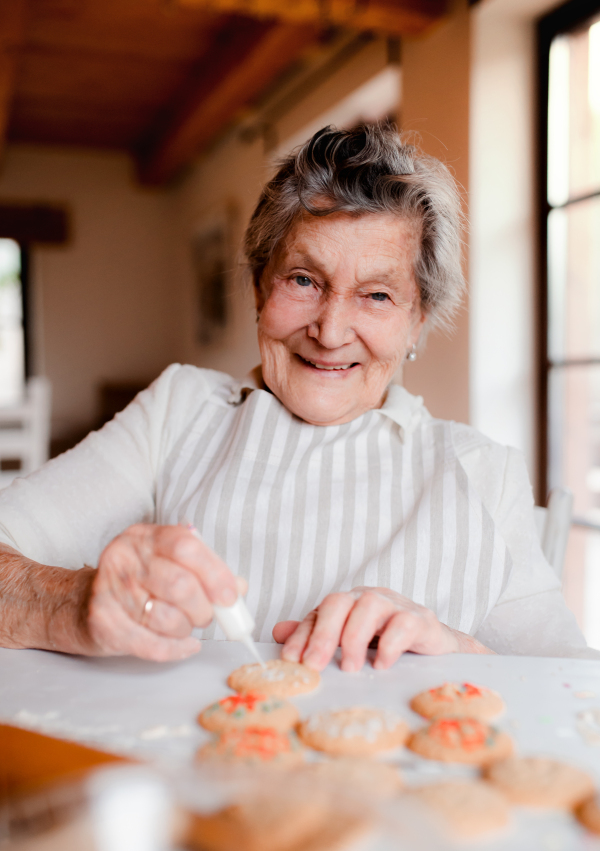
(394, 498)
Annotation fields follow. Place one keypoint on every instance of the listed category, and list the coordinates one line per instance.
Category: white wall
(103, 305)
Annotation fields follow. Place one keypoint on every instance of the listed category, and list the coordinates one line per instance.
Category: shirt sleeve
(531, 617)
(66, 513)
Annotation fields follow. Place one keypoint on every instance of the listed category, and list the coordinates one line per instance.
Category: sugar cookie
(588, 814)
(358, 731)
(461, 740)
(466, 807)
(278, 677)
(353, 774)
(539, 782)
(255, 746)
(249, 710)
(458, 700)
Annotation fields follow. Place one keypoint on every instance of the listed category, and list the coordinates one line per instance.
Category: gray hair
(368, 170)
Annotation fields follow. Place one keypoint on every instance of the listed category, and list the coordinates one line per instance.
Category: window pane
(574, 281)
(574, 115)
(11, 324)
(574, 426)
(581, 585)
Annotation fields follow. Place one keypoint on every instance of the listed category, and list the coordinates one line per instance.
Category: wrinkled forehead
(381, 245)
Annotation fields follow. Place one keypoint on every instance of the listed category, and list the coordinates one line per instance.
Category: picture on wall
(212, 261)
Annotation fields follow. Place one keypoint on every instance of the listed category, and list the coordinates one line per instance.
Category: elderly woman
(347, 509)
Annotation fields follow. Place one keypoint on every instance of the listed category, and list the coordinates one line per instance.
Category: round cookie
(278, 677)
(539, 782)
(255, 746)
(468, 808)
(461, 740)
(249, 710)
(588, 814)
(356, 775)
(358, 731)
(458, 700)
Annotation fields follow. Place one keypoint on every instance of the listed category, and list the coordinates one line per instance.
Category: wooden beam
(232, 76)
(392, 17)
(13, 16)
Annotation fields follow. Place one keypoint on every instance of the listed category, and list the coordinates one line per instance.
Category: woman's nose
(333, 326)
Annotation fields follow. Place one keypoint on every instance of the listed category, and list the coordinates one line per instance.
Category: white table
(148, 710)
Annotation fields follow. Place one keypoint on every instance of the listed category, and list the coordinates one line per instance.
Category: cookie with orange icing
(458, 700)
(277, 676)
(255, 746)
(465, 740)
(357, 731)
(249, 709)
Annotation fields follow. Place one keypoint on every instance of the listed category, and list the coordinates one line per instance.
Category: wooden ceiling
(161, 78)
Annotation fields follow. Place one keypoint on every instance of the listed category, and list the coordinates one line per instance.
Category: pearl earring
(412, 355)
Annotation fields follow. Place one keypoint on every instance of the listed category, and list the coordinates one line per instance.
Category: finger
(167, 581)
(114, 633)
(242, 585)
(283, 630)
(396, 638)
(327, 631)
(369, 615)
(295, 643)
(176, 543)
(164, 619)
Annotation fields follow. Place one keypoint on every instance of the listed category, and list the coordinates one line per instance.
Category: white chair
(553, 524)
(25, 431)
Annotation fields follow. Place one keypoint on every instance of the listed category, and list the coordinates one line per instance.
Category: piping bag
(236, 621)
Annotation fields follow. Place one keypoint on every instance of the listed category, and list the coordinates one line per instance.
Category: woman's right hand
(153, 585)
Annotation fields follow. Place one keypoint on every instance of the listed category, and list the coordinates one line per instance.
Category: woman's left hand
(352, 619)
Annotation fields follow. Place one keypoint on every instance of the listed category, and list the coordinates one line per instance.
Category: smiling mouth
(328, 368)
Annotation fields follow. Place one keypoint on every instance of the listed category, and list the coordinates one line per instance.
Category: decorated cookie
(458, 700)
(248, 710)
(353, 774)
(540, 782)
(278, 677)
(255, 746)
(588, 814)
(359, 731)
(461, 740)
(467, 808)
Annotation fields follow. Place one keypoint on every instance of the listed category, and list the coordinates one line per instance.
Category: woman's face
(338, 310)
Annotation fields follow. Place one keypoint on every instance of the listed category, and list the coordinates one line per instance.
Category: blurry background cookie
(255, 746)
(467, 808)
(249, 709)
(278, 677)
(461, 740)
(358, 731)
(540, 782)
(355, 775)
(458, 700)
(588, 814)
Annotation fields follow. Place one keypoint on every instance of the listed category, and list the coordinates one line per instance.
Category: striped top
(395, 498)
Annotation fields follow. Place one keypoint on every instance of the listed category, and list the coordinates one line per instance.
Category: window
(570, 387)
(12, 342)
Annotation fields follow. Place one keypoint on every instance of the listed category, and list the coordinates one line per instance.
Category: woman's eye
(302, 280)
(379, 296)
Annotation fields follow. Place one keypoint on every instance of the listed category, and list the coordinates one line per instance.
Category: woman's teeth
(320, 366)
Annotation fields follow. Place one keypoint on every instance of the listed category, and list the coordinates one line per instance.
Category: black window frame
(562, 20)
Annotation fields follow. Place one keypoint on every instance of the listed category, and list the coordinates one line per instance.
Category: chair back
(553, 524)
(25, 431)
